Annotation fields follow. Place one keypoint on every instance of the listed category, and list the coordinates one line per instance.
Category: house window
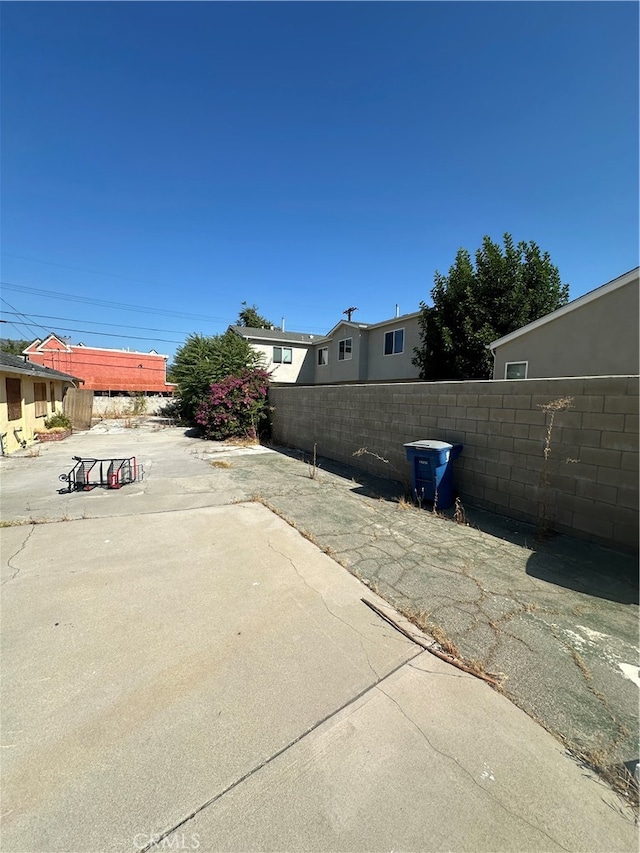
(516, 369)
(282, 355)
(52, 396)
(394, 342)
(323, 355)
(344, 349)
(14, 399)
(40, 398)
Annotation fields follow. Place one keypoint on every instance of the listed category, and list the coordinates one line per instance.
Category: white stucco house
(288, 356)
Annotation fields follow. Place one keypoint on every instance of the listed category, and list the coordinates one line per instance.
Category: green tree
(13, 347)
(204, 359)
(476, 304)
(249, 317)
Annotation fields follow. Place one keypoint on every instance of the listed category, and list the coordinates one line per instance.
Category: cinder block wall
(503, 430)
(122, 404)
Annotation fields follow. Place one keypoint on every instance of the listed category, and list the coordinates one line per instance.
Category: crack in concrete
(452, 758)
(156, 842)
(621, 729)
(13, 556)
(327, 608)
(434, 672)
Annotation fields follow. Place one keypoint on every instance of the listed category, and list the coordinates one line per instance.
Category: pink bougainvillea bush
(235, 407)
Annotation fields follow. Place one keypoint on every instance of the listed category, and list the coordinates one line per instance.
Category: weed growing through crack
(242, 441)
(459, 515)
(21, 522)
(550, 409)
(313, 465)
(221, 463)
(364, 451)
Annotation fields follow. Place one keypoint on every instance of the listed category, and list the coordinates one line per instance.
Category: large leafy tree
(507, 287)
(202, 360)
(249, 317)
(14, 347)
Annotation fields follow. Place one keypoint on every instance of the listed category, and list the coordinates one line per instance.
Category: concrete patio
(181, 666)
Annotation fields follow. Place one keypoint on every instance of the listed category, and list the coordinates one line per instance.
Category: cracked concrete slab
(429, 760)
(558, 621)
(150, 661)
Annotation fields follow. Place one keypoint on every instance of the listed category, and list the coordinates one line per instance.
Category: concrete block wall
(119, 404)
(593, 463)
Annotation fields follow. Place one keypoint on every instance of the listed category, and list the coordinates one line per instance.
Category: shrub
(235, 406)
(203, 360)
(138, 405)
(58, 419)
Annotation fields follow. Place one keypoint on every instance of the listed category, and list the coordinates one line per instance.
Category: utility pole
(349, 312)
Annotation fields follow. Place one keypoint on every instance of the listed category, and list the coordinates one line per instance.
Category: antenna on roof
(349, 312)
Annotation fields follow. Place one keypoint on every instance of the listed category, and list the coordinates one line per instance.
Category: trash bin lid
(430, 445)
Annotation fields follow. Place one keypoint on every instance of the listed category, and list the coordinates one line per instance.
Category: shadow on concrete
(560, 560)
(367, 485)
(601, 573)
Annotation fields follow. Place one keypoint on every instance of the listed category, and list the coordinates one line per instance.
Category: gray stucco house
(350, 352)
(595, 335)
(363, 352)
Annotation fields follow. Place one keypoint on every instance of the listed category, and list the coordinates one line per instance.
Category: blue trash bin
(432, 471)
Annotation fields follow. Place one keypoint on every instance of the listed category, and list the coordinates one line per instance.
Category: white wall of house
(299, 370)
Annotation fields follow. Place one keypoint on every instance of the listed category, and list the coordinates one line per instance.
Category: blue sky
(305, 157)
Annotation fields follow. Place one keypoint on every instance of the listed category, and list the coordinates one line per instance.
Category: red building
(107, 371)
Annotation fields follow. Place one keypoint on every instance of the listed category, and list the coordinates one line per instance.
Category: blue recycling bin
(432, 470)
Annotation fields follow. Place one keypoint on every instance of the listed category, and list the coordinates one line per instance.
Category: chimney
(283, 324)
(397, 310)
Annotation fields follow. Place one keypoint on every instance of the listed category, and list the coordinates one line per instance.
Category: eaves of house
(19, 364)
(598, 293)
(272, 336)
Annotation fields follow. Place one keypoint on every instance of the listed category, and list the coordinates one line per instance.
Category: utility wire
(309, 329)
(121, 306)
(99, 323)
(81, 269)
(111, 335)
(20, 314)
(87, 300)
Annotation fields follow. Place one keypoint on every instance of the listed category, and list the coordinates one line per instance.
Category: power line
(87, 300)
(54, 294)
(80, 269)
(111, 335)
(21, 314)
(88, 331)
(82, 364)
(97, 323)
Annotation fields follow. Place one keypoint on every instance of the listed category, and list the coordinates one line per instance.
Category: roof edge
(596, 293)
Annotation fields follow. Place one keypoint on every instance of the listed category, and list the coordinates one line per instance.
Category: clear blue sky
(305, 157)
